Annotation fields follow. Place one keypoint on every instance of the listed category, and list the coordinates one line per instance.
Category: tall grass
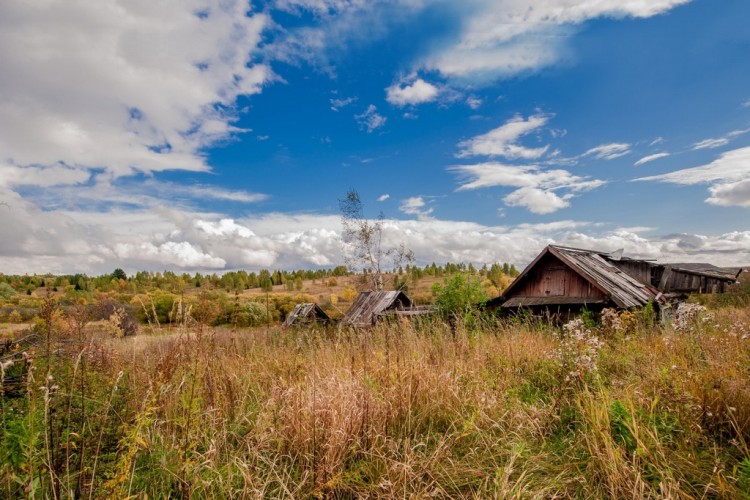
(402, 410)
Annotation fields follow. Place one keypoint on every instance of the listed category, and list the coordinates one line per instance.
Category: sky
(209, 136)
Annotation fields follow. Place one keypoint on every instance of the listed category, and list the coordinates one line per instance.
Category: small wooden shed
(369, 306)
(307, 314)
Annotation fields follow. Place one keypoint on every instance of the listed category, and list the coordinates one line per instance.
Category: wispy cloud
(503, 141)
(474, 102)
(504, 38)
(496, 38)
(608, 151)
(383, 197)
(337, 104)
(650, 158)
(370, 120)
(411, 92)
(728, 177)
(540, 191)
(718, 142)
(711, 143)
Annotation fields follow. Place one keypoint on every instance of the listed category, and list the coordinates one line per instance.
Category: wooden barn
(369, 307)
(571, 279)
(307, 314)
(568, 279)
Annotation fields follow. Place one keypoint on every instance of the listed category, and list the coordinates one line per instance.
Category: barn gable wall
(551, 277)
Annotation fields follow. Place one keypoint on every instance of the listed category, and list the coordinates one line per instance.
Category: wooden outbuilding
(564, 279)
(573, 278)
(307, 314)
(369, 307)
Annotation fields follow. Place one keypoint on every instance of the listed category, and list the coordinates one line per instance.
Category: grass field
(498, 410)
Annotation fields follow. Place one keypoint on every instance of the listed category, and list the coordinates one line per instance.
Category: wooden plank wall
(553, 278)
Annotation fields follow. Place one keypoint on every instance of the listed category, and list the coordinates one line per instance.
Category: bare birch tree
(363, 241)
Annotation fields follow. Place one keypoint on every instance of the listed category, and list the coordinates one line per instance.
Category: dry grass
(416, 411)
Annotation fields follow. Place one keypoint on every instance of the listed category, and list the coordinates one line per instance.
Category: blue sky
(198, 135)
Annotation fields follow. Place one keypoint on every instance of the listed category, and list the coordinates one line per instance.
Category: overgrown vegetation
(614, 409)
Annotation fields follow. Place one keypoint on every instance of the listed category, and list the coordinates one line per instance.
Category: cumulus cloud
(123, 86)
(411, 93)
(370, 120)
(608, 151)
(728, 177)
(34, 240)
(383, 197)
(416, 205)
(650, 158)
(541, 191)
(503, 141)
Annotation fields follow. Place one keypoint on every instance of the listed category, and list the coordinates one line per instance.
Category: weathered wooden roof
(622, 289)
(368, 305)
(306, 312)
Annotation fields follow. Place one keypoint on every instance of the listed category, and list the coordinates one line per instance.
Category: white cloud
(411, 92)
(730, 194)
(650, 158)
(537, 188)
(502, 141)
(728, 176)
(416, 205)
(494, 39)
(123, 86)
(656, 141)
(383, 197)
(171, 253)
(746, 104)
(711, 143)
(33, 240)
(370, 120)
(474, 102)
(337, 104)
(538, 201)
(501, 38)
(608, 151)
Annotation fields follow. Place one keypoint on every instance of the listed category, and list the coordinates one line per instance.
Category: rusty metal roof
(622, 289)
(306, 312)
(368, 305)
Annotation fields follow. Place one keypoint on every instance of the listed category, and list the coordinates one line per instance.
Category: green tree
(7, 291)
(119, 274)
(459, 296)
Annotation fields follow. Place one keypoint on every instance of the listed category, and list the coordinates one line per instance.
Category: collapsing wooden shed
(369, 307)
(307, 314)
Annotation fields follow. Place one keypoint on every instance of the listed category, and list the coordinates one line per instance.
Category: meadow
(486, 408)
